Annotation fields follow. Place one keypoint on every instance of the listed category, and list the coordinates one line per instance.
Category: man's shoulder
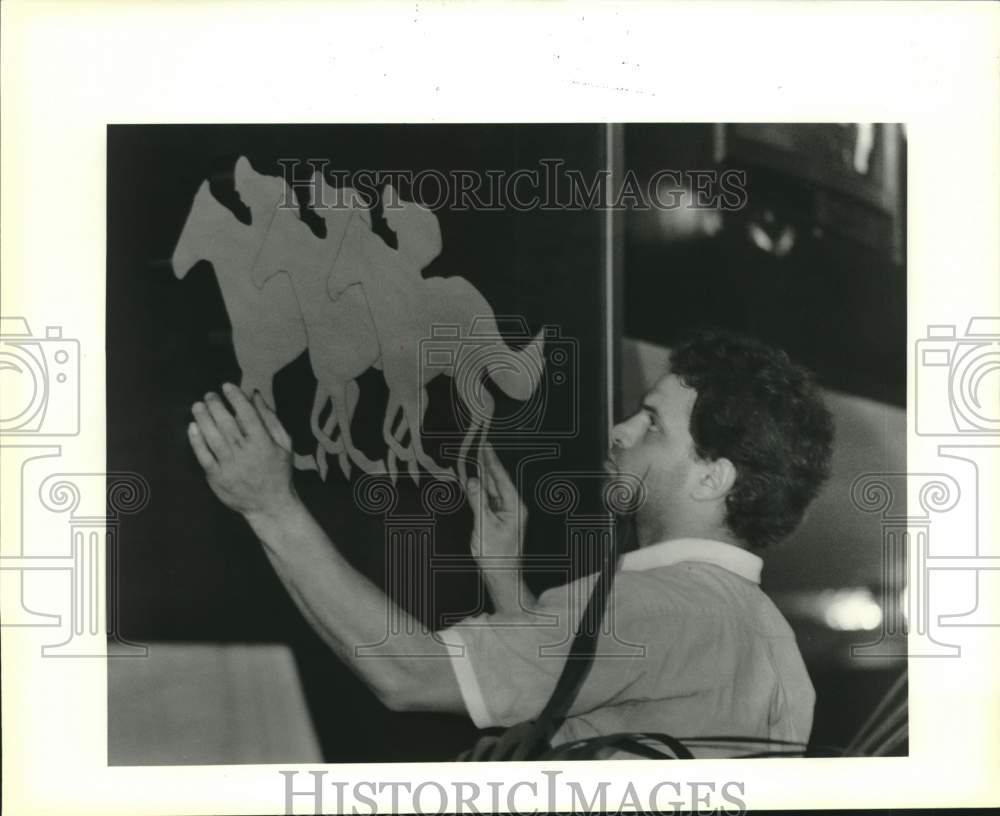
(681, 589)
(688, 585)
(703, 590)
(678, 592)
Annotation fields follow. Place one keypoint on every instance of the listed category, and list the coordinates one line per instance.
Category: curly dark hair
(761, 411)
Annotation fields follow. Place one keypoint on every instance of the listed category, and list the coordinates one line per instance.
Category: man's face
(655, 444)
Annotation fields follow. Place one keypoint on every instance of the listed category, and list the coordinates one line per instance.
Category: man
(731, 445)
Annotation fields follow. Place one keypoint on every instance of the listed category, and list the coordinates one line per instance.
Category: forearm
(506, 585)
(342, 605)
(248, 466)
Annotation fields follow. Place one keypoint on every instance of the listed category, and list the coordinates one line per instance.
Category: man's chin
(623, 493)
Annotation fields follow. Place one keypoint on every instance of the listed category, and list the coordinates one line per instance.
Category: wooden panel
(200, 704)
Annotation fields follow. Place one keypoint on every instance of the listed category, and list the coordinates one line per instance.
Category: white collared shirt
(690, 646)
(735, 559)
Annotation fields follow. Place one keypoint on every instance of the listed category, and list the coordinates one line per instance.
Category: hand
(498, 513)
(247, 457)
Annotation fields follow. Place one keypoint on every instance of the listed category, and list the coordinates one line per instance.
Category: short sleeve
(507, 664)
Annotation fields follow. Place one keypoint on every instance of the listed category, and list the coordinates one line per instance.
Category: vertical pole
(614, 288)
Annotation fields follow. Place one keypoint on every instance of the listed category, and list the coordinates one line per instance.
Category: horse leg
(324, 434)
(302, 462)
(392, 440)
(345, 403)
(324, 441)
(392, 466)
(398, 452)
(391, 409)
(411, 461)
(411, 410)
(257, 381)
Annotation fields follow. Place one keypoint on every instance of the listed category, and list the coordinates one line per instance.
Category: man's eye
(654, 424)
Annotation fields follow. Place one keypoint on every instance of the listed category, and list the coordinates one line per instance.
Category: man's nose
(625, 434)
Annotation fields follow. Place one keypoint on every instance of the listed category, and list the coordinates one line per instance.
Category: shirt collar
(665, 553)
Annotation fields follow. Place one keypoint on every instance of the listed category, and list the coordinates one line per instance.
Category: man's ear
(717, 479)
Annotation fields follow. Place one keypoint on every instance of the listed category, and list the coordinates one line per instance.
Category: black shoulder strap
(531, 739)
(581, 652)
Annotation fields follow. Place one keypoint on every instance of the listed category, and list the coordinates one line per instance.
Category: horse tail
(481, 421)
(518, 373)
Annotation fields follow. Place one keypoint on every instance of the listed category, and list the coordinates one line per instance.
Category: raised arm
(497, 541)
(247, 460)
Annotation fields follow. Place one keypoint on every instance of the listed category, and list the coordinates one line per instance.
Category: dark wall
(836, 301)
(190, 569)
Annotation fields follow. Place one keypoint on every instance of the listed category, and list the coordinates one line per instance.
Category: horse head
(261, 193)
(417, 229)
(197, 235)
(274, 215)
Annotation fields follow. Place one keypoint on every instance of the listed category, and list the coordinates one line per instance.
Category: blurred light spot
(848, 610)
(681, 219)
(863, 145)
(761, 237)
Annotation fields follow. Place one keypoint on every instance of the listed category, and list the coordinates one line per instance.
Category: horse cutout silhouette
(406, 308)
(268, 332)
(341, 336)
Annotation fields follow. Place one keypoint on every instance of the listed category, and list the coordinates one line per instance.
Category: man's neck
(653, 531)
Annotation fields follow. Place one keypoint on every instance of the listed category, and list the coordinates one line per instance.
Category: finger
(485, 493)
(247, 416)
(217, 444)
(489, 481)
(271, 422)
(501, 483)
(200, 448)
(224, 420)
(474, 493)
